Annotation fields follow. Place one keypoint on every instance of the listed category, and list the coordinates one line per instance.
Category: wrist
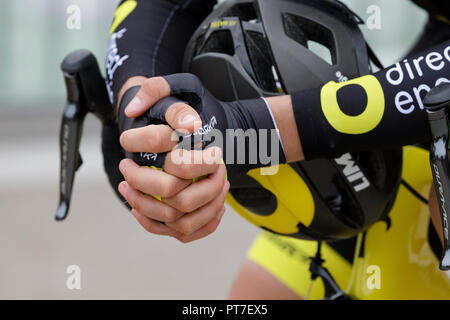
(283, 114)
(256, 138)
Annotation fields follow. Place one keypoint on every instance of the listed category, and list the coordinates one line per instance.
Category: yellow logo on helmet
(362, 123)
(222, 23)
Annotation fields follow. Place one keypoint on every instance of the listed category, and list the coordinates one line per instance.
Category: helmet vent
(220, 41)
(245, 12)
(261, 60)
(320, 50)
(311, 35)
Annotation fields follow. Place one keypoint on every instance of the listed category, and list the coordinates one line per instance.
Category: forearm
(283, 114)
(376, 111)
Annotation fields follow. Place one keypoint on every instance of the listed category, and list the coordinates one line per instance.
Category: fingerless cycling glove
(244, 129)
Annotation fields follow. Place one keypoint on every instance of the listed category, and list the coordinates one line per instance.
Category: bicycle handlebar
(437, 103)
(86, 92)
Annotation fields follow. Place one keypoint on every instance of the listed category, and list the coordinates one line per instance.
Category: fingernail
(122, 166)
(122, 188)
(134, 105)
(188, 119)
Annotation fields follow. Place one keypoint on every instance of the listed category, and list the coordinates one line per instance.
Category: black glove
(217, 116)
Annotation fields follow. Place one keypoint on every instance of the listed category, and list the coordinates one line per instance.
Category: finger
(176, 113)
(194, 221)
(200, 193)
(152, 90)
(189, 164)
(183, 117)
(147, 205)
(151, 181)
(152, 138)
(184, 82)
(153, 226)
(205, 230)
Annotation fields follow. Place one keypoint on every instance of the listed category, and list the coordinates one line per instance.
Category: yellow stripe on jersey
(287, 259)
(122, 12)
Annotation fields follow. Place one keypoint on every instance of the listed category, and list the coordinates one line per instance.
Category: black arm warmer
(375, 111)
(148, 38)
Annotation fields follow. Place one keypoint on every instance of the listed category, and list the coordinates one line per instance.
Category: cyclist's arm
(148, 38)
(374, 111)
(380, 110)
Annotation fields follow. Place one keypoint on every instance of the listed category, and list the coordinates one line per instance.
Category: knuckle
(155, 86)
(170, 214)
(134, 201)
(183, 239)
(185, 169)
(218, 206)
(218, 187)
(154, 139)
(149, 85)
(212, 227)
(148, 227)
(164, 188)
(131, 178)
(187, 204)
(161, 86)
(138, 203)
(186, 227)
(168, 187)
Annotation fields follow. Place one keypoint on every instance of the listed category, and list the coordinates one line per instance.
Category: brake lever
(437, 103)
(86, 92)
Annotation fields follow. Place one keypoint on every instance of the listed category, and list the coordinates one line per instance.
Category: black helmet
(246, 49)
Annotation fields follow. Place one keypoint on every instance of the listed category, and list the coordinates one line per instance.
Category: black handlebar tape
(437, 103)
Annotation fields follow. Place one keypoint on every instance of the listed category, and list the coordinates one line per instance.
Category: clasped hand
(167, 202)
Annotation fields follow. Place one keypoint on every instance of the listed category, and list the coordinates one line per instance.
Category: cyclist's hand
(189, 210)
(243, 129)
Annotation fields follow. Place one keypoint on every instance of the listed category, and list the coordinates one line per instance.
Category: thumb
(183, 117)
(152, 90)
